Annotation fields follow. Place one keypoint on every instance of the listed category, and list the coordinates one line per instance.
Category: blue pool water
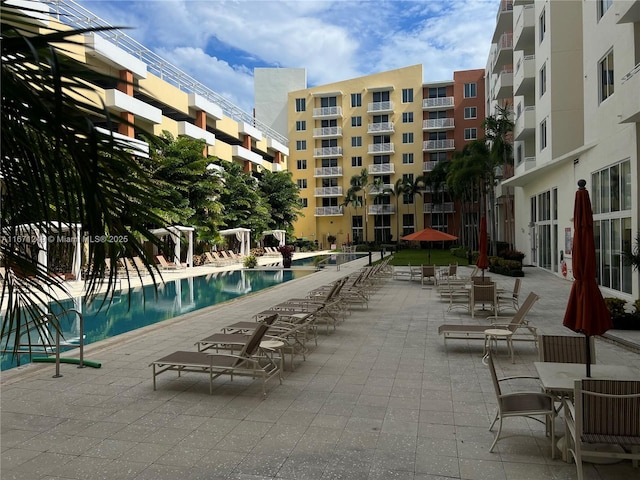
(139, 307)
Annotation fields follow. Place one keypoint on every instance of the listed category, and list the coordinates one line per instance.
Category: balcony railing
(438, 124)
(327, 112)
(431, 145)
(429, 165)
(380, 107)
(381, 210)
(327, 132)
(382, 127)
(378, 190)
(328, 211)
(328, 192)
(378, 168)
(440, 102)
(447, 207)
(381, 148)
(327, 152)
(328, 172)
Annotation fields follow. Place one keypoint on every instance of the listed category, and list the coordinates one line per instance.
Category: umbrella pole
(588, 356)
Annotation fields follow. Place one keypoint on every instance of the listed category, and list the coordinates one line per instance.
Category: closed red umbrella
(586, 311)
(483, 257)
(429, 235)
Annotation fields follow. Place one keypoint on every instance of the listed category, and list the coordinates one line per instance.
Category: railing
(380, 127)
(378, 190)
(327, 152)
(381, 148)
(328, 211)
(633, 72)
(328, 192)
(447, 207)
(327, 112)
(437, 102)
(437, 123)
(381, 168)
(380, 107)
(328, 172)
(429, 165)
(447, 144)
(76, 16)
(381, 210)
(327, 132)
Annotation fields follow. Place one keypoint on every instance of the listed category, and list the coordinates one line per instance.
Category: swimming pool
(139, 307)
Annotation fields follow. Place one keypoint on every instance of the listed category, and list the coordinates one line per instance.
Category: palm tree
(398, 190)
(413, 189)
(352, 198)
(59, 169)
(358, 186)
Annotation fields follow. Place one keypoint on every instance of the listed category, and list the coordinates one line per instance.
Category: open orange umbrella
(483, 248)
(586, 311)
(429, 235)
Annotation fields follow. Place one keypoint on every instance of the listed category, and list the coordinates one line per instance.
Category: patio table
(560, 377)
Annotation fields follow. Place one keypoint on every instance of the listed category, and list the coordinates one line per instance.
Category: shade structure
(586, 311)
(175, 232)
(429, 235)
(483, 248)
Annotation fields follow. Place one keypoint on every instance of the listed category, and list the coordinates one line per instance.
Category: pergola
(279, 235)
(40, 234)
(244, 237)
(175, 232)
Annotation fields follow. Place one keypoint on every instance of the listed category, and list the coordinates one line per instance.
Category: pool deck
(380, 398)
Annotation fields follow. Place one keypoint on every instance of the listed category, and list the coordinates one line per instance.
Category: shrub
(460, 252)
(250, 261)
(512, 255)
(616, 306)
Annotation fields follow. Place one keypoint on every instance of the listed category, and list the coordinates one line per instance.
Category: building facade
(576, 115)
(381, 129)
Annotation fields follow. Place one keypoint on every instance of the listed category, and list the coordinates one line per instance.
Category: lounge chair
(509, 299)
(449, 272)
(232, 341)
(606, 412)
(428, 273)
(249, 362)
(485, 295)
(166, 265)
(476, 332)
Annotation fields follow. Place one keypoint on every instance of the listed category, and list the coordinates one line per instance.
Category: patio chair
(509, 299)
(164, 265)
(565, 348)
(480, 279)
(449, 272)
(231, 341)
(606, 412)
(516, 324)
(483, 294)
(140, 266)
(529, 404)
(428, 273)
(250, 362)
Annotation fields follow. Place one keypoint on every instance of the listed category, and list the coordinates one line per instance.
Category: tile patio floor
(380, 398)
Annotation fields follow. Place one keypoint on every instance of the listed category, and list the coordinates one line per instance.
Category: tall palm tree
(58, 169)
(416, 189)
(358, 186)
(398, 190)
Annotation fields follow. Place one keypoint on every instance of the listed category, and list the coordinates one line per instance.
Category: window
(407, 224)
(603, 6)
(605, 68)
(407, 158)
(543, 134)
(470, 112)
(543, 79)
(407, 117)
(301, 125)
(519, 155)
(301, 164)
(303, 202)
(301, 144)
(328, 102)
(407, 137)
(437, 92)
(356, 161)
(542, 25)
(302, 183)
(407, 95)
(470, 133)
(356, 121)
(381, 96)
(356, 141)
(437, 156)
(470, 90)
(301, 105)
(356, 99)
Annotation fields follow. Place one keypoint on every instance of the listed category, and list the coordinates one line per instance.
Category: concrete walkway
(379, 398)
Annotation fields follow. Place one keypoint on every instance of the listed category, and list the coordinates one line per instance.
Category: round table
(493, 335)
(273, 346)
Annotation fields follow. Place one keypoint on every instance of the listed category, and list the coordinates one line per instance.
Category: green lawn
(421, 257)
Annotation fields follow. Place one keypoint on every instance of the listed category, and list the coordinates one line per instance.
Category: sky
(220, 42)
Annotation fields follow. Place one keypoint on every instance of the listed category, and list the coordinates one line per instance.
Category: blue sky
(220, 42)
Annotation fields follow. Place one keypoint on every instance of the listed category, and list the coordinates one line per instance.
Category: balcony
(327, 172)
(117, 101)
(328, 192)
(524, 30)
(524, 78)
(627, 12)
(429, 165)
(382, 127)
(380, 148)
(327, 152)
(380, 107)
(504, 18)
(438, 103)
(438, 145)
(327, 112)
(629, 88)
(381, 210)
(438, 124)
(504, 83)
(244, 154)
(446, 207)
(380, 168)
(190, 130)
(504, 52)
(525, 125)
(328, 211)
(379, 190)
(327, 132)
